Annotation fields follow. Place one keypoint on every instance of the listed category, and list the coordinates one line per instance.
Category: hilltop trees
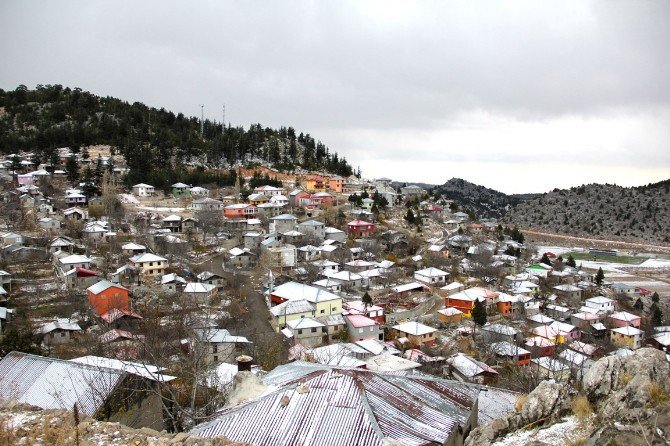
(151, 139)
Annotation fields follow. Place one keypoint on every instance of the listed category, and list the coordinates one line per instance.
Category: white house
(144, 190)
(431, 276)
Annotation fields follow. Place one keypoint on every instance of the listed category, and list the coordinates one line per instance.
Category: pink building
(362, 328)
(624, 319)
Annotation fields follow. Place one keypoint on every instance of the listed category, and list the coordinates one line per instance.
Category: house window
(62, 335)
(313, 329)
(215, 348)
(299, 332)
(335, 328)
(323, 311)
(216, 359)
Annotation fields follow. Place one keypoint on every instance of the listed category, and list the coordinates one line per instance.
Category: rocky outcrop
(618, 386)
(630, 396)
(548, 401)
(29, 425)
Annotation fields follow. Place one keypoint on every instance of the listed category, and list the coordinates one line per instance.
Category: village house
(58, 332)
(149, 264)
(624, 319)
(143, 190)
(374, 312)
(133, 249)
(449, 315)
(465, 368)
(568, 291)
(202, 293)
(500, 332)
(600, 304)
(306, 331)
(173, 282)
(198, 191)
(269, 191)
(220, 345)
(283, 223)
(240, 258)
(313, 228)
(360, 229)
(291, 310)
(454, 406)
(508, 351)
(105, 295)
(418, 334)
(630, 337)
(326, 303)
(431, 276)
(240, 211)
(363, 328)
(207, 204)
(180, 190)
(74, 261)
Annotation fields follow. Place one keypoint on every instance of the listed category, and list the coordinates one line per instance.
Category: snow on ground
(559, 434)
(606, 266)
(160, 209)
(128, 198)
(655, 263)
(558, 250)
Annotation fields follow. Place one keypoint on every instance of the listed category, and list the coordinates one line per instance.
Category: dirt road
(596, 241)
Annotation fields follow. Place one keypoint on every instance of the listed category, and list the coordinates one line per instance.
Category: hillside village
(211, 309)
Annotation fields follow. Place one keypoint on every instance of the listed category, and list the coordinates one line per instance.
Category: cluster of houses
(348, 299)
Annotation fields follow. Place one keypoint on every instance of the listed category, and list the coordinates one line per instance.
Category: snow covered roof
(147, 257)
(196, 287)
(468, 366)
(300, 291)
(414, 328)
(102, 286)
(51, 383)
(74, 258)
(147, 371)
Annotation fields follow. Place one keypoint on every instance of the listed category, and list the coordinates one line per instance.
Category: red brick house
(360, 229)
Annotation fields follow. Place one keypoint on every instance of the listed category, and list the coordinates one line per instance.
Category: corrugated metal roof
(54, 384)
(319, 405)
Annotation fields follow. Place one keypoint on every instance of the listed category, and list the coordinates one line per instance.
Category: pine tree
(571, 261)
(600, 276)
(545, 259)
(410, 217)
(479, 313)
(72, 169)
(367, 300)
(656, 315)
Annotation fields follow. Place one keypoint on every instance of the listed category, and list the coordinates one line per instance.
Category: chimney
(244, 363)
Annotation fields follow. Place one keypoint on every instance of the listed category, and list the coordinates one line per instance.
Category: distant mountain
(484, 202)
(600, 210)
(157, 143)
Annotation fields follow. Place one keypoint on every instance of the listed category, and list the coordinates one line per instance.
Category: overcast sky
(518, 96)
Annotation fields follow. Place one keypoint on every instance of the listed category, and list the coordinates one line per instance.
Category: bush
(581, 408)
(658, 396)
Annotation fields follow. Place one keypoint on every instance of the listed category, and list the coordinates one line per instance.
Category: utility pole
(202, 120)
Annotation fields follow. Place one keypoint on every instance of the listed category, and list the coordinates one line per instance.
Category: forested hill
(53, 116)
(482, 201)
(605, 210)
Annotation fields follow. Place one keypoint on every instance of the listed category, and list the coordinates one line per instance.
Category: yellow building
(150, 264)
(630, 337)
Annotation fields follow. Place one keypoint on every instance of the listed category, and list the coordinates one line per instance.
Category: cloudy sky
(518, 96)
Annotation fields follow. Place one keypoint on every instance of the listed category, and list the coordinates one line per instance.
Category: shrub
(658, 396)
(581, 408)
